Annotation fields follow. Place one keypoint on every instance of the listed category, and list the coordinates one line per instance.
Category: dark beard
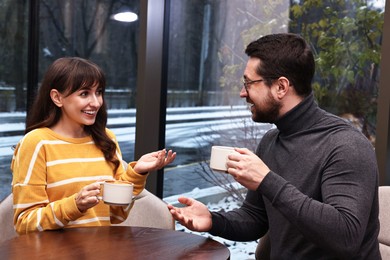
(268, 113)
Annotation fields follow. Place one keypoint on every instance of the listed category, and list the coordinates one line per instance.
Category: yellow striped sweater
(49, 170)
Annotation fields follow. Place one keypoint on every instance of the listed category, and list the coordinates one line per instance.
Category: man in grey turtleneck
(313, 182)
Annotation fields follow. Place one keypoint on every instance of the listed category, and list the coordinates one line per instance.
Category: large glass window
(206, 62)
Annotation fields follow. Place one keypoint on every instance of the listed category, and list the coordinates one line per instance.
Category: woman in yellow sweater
(67, 149)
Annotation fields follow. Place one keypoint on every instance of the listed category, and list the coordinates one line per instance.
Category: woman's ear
(56, 97)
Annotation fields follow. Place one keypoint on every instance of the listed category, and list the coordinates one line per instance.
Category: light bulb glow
(126, 17)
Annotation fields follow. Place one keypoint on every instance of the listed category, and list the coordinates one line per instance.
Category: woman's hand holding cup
(88, 196)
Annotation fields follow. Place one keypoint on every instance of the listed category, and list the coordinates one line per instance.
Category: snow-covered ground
(238, 250)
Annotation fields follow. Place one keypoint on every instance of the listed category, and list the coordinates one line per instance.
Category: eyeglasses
(249, 82)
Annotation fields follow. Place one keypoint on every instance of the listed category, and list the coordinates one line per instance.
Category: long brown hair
(68, 75)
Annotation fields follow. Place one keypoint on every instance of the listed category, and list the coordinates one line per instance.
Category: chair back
(149, 211)
(6, 219)
(384, 219)
(263, 249)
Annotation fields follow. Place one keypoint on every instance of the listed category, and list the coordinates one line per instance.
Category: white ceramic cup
(116, 192)
(219, 157)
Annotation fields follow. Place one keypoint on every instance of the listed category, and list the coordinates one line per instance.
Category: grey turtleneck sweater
(320, 199)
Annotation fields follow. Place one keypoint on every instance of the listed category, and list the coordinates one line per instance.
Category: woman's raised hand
(154, 161)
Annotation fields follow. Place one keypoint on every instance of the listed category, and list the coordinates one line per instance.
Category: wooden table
(113, 243)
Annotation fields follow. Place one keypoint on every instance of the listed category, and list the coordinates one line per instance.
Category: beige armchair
(149, 211)
(6, 219)
(263, 249)
(384, 219)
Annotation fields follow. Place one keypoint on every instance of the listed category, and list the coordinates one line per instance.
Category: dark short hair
(287, 55)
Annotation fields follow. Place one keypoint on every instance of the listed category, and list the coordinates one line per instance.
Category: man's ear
(283, 87)
(56, 97)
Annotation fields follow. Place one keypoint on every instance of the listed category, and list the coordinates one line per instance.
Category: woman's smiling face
(81, 107)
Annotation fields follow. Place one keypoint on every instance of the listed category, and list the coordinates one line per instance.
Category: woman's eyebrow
(88, 87)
